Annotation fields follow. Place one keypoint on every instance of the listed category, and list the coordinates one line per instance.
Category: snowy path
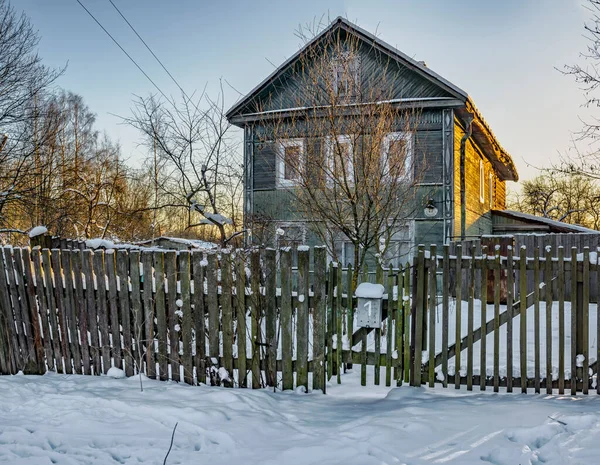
(85, 420)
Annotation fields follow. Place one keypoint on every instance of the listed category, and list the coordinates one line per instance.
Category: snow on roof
(194, 243)
(550, 222)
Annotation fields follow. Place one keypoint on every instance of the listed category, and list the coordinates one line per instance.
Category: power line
(122, 49)
(149, 49)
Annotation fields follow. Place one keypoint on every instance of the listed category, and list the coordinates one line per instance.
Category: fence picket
(115, 335)
(406, 313)
(61, 323)
(23, 286)
(483, 319)
(536, 319)
(574, 304)
(33, 313)
(198, 266)
(586, 315)
(286, 320)
(173, 323)
(319, 318)
(523, 317)
(241, 332)
(302, 320)
(158, 259)
(458, 311)
(125, 313)
(11, 351)
(561, 319)
(187, 317)
(548, 281)
(256, 316)
(497, 274)
(417, 320)
(510, 292)
(445, 311)
(377, 333)
(339, 324)
(15, 311)
(470, 317)
(73, 332)
(390, 327)
(136, 308)
(271, 319)
(226, 314)
(149, 313)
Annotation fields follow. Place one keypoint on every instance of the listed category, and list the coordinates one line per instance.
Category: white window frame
(285, 225)
(407, 136)
(481, 182)
(491, 192)
(354, 68)
(329, 153)
(280, 165)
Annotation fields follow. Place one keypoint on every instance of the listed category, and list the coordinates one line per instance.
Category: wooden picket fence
(512, 341)
(244, 319)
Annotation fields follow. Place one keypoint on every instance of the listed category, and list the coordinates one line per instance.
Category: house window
(346, 74)
(491, 178)
(290, 234)
(397, 156)
(340, 159)
(400, 247)
(290, 162)
(481, 182)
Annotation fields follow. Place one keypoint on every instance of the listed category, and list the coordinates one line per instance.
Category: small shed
(513, 222)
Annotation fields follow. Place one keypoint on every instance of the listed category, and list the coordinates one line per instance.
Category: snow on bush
(38, 231)
(115, 373)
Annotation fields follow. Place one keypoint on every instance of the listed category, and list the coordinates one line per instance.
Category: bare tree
(200, 172)
(346, 149)
(23, 83)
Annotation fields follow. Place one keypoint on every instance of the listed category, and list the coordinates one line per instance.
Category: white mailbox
(368, 311)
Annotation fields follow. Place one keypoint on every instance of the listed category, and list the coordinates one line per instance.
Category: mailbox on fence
(368, 311)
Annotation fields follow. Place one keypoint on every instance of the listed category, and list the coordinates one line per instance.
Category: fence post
(320, 309)
(271, 316)
(417, 317)
(286, 319)
(302, 319)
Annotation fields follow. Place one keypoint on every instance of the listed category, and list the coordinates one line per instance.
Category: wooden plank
(15, 312)
(561, 319)
(445, 312)
(417, 314)
(61, 323)
(75, 344)
(483, 324)
(149, 313)
(92, 314)
(158, 259)
(548, 313)
(458, 329)
(187, 318)
(227, 315)
(598, 322)
(331, 281)
(28, 307)
(585, 321)
(81, 312)
(377, 333)
(115, 333)
(510, 287)
(10, 345)
(241, 308)
(319, 317)
(432, 312)
(256, 317)
(406, 315)
(574, 302)
(101, 309)
(213, 308)
(390, 327)
(125, 313)
(43, 307)
(497, 274)
(470, 318)
(339, 324)
(137, 318)
(302, 319)
(350, 302)
(523, 318)
(286, 319)
(34, 312)
(173, 322)
(536, 318)
(399, 329)
(199, 265)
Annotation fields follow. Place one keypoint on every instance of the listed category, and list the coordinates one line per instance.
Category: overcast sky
(503, 53)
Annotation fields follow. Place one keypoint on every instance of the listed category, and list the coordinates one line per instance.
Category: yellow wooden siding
(478, 216)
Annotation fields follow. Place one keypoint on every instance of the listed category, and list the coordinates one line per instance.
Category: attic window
(345, 69)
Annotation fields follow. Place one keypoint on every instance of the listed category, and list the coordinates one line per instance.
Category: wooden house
(464, 168)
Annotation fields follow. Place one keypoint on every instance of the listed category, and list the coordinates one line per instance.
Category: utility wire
(122, 49)
(149, 49)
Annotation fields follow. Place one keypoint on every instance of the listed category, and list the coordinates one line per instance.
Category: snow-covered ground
(88, 420)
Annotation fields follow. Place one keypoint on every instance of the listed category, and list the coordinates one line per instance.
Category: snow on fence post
(286, 319)
(319, 317)
(302, 320)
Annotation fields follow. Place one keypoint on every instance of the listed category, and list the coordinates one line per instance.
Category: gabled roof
(553, 225)
(482, 133)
